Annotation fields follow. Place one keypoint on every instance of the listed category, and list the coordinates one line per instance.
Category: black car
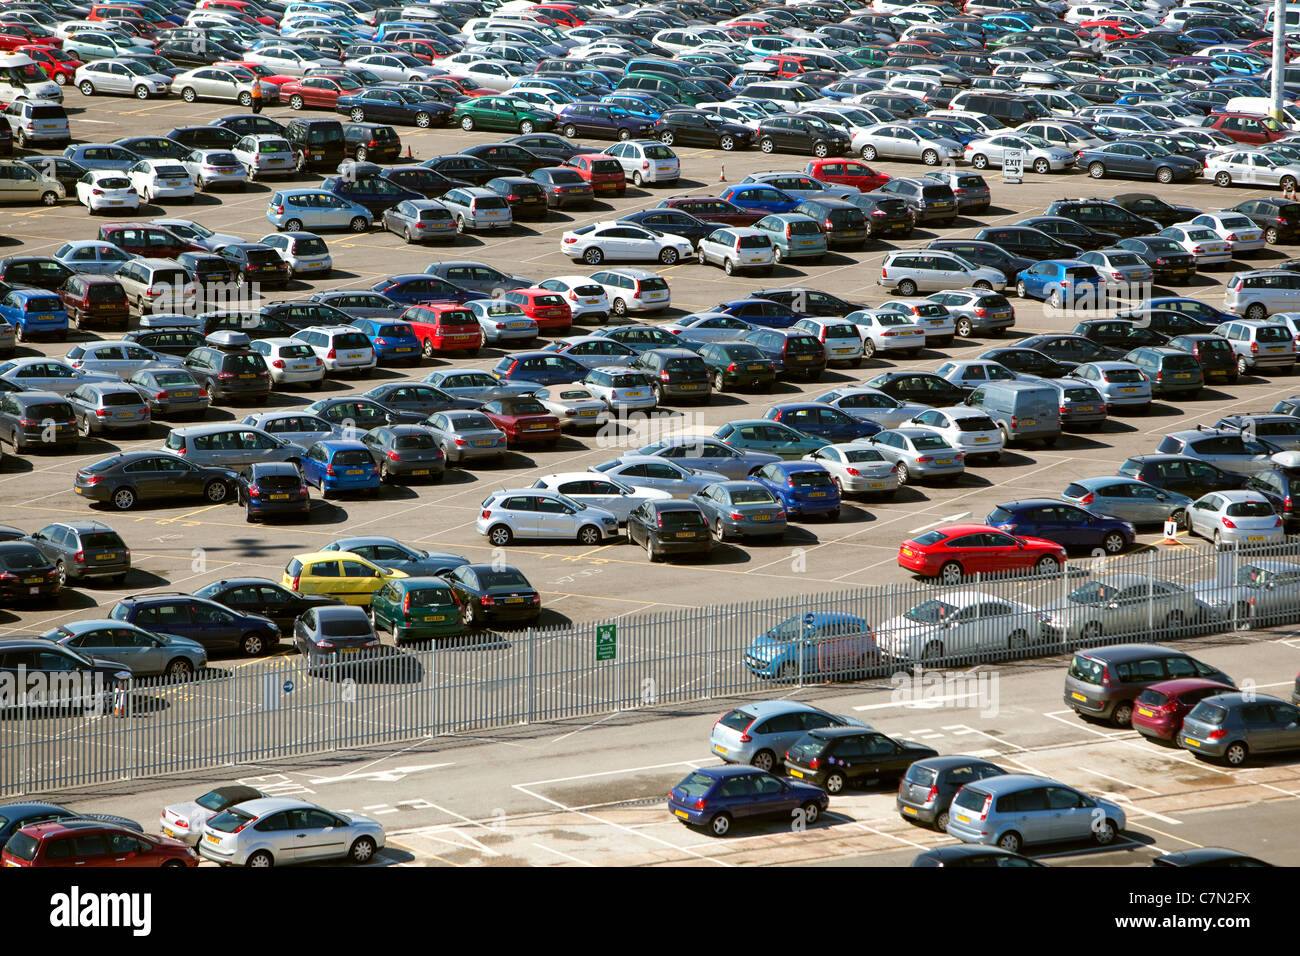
(843, 223)
(253, 262)
(215, 626)
(19, 815)
(1071, 350)
(429, 183)
(154, 147)
(1103, 214)
(1028, 242)
(1155, 208)
(510, 155)
(885, 215)
(248, 124)
(1180, 473)
(675, 374)
(230, 373)
(526, 196)
(1281, 486)
(794, 133)
(834, 758)
(360, 413)
(471, 169)
(973, 854)
(205, 137)
(371, 142)
(489, 594)
(405, 452)
(1279, 218)
(195, 53)
(1168, 260)
(1214, 352)
(809, 301)
(260, 596)
(737, 365)
(207, 269)
(668, 528)
(272, 488)
(672, 221)
(323, 634)
(67, 171)
(1119, 334)
(985, 254)
(23, 657)
(84, 549)
(39, 272)
(26, 573)
(253, 324)
(316, 143)
(552, 146)
(563, 187)
(928, 787)
(1201, 856)
(925, 388)
(128, 478)
(688, 127)
(376, 193)
(1071, 232)
(177, 342)
(418, 397)
(299, 315)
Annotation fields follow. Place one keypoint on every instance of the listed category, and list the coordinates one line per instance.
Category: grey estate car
(1102, 682)
(230, 445)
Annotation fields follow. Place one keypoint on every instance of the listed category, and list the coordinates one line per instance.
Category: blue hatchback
(1062, 282)
(393, 340)
(761, 312)
(805, 488)
(831, 644)
(34, 312)
(338, 465)
(760, 197)
(1066, 524)
(818, 420)
(720, 797)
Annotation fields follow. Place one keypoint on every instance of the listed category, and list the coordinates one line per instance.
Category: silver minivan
(230, 446)
(1024, 411)
(909, 271)
(1017, 809)
(1259, 344)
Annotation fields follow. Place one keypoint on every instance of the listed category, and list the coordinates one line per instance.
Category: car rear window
(434, 215)
(351, 340)
(1087, 670)
(803, 344)
(22, 847)
(1205, 712)
(842, 332)
(564, 177)
(413, 442)
(1272, 333)
(120, 398)
(345, 627)
(968, 798)
(806, 748)
(937, 192)
(297, 350)
(326, 133)
(1082, 395)
(1000, 516)
(736, 720)
(1152, 697)
(930, 537)
(697, 784)
(293, 568)
(692, 365)
(503, 579)
(1123, 375)
(430, 597)
(653, 284)
(1180, 363)
(279, 482)
(457, 317)
(930, 442)
(243, 364)
(810, 479)
(351, 456)
(228, 821)
(101, 539)
(670, 520)
(922, 776)
(490, 202)
(106, 292)
(1250, 509)
(471, 422)
(1073, 490)
(1081, 272)
(803, 227)
(606, 166)
(45, 304)
(976, 423)
(754, 242)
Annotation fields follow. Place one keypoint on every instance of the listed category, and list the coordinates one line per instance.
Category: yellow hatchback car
(343, 575)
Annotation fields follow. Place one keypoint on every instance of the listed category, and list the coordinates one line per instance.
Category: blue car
(34, 312)
(393, 340)
(543, 368)
(1208, 315)
(805, 488)
(294, 210)
(1066, 524)
(831, 643)
(761, 312)
(339, 465)
(719, 798)
(760, 197)
(633, 105)
(420, 289)
(1061, 282)
(389, 105)
(818, 420)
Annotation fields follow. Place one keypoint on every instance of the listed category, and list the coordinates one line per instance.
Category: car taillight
(1254, 347)
(924, 458)
(815, 763)
(225, 375)
(699, 804)
(1198, 250)
(486, 514)
(293, 586)
(1277, 522)
(325, 645)
(329, 470)
(984, 810)
(1232, 237)
(1227, 523)
(664, 375)
(279, 210)
(569, 239)
(1217, 734)
(393, 456)
(79, 557)
(982, 312)
(277, 363)
(254, 491)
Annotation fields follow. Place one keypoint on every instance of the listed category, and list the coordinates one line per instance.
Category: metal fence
(279, 707)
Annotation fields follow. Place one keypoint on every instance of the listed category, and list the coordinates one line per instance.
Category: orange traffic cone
(119, 702)
(722, 177)
(408, 151)
(1171, 533)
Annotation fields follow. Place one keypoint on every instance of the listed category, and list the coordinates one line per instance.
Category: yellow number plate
(1079, 697)
(682, 814)
(1190, 742)
(1146, 713)
(909, 811)
(796, 773)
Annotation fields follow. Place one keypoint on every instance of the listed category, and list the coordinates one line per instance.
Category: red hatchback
(92, 843)
(16, 36)
(1159, 710)
(1247, 128)
(317, 91)
(605, 173)
(524, 419)
(952, 552)
(847, 172)
(550, 310)
(58, 66)
(444, 328)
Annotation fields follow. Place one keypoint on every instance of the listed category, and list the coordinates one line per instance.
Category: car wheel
(216, 491)
(728, 266)
(124, 499)
(1047, 565)
(941, 821)
(260, 859)
(1054, 300)
(357, 115)
(907, 287)
(1236, 754)
(87, 88)
(180, 669)
(963, 328)
(188, 94)
(49, 199)
(359, 224)
(951, 572)
(83, 427)
(637, 180)
(834, 782)
(979, 161)
(776, 255)
(406, 235)
(295, 102)
(423, 120)
(727, 144)
(253, 645)
(362, 154)
(61, 79)
(142, 92)
(624, 135)
(930, 158)
(1122, 715)
(1242, 367)
(719, 532)
(869, 153)
(593, 256)
(1164, 175)
(1113, 543)
(932, 652)
(500, 535)
(385, 475)
(618, 307)
(293, 225)
(669, 257)
(362, 851)
(1174, 622)
(1010, 842)
(764, 760)
(1091, 631)
(570, 131)
(868, 348)
(1017, 641)
(720, 825)
(821, 150)
(469, 615)
(1256, 311)
(526, 127)
(589, 535)
(904, 476)
(766, 145)
(650, 549)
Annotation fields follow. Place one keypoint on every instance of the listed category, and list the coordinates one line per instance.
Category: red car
(15, 36)
(423, 48)
(262, 72)
(240, 6)
(524, 419)
(847, 172)
(713, 209)
(58, 66)
(321, 91)
(952, 552)
(605, 173)
(566, 14)
(90, 843)
(550, 310)
(1247, 128)
(788, 65)
(1110, 29)
(153, 242)
(463, 86)
(444, 328)
(1159, 710)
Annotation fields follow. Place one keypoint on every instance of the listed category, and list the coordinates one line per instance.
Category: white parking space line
(1098, 773)
(563, 856)
(948, 520)
(859, 825)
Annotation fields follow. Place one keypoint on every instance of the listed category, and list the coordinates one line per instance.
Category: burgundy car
(151, 242)
(525, 421)
(1159, 710)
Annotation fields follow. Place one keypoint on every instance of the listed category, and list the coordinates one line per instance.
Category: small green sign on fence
(606, 642)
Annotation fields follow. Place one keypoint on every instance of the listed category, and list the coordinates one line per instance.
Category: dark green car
(417, 609)
(759, 434)
(501, 113)
(738, 365)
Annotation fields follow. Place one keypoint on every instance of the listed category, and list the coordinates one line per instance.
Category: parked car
(717, 797)
(1012, 810)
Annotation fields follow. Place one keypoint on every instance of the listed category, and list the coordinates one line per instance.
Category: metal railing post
(529, 676)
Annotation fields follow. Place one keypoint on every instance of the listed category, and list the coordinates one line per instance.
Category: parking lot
(184, 547)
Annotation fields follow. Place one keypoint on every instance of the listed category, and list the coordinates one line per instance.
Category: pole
(1279, 56)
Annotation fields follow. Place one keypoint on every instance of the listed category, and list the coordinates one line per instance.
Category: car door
(317, 835)
(1031, 818)
(216, 627)
(1069, 814)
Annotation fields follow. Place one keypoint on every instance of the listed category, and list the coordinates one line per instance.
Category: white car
(1071, 136)
(184, 821)
(1038, 154)
(1230, 518)
(215, 167)
(1241, 234)
(646, 161)
(394, 67)
(107, 189)
(290, 361)
(743, 114)
(161, 179)
(623, 242)
(497, 75)
(341, 347)
(887, 332)
(738, 248)
(265, 154)
(857, 469)
(585, 297)
(840, 337)
(305, 252)
(709, 327)
(291, 60)
(624, 389)
(871, 404)
(601, 491)
(127, 77)
(279, 830)
(959, 623)
(969, 429)
(1251, 167)
(538, 513)
(934, 318)
(574, 405)
(1205, 245)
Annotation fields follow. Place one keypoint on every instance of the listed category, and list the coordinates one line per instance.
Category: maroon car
(151, 242)
(95, 301)
(712, 209)
(1159, 710)
(525, 421)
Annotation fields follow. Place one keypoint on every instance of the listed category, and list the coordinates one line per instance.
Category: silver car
(896, 141)
(215, 167)
(170, 392)
(856, 469)
(1233, 518)
(1265, 592)
(887, 331)
(538, 513)
(475, 384)
(281, 830)
(124, 76)
(759, 733)
(305, 252)
(502, 322)
(231, 83)
(228, 445)
(976, 310)
(574, 405)
(961, 624)
(601, 491)
(711, 454)
(914, 270)
(1120, 268)
(1127, 499)
(466, 436)
(709, 327)
(295, 426)
(1121, 384)
(1037, 154)
(145, 653)
(871, 404)
(108, 407)
(476, 208)
(594, 351)
(1232, 726)
(661, 474)
(122, 359)
(622, 389)
(1123, 606)
(264, 154)
(1014, 810)
(184, 821)
(918, 453)
(35, 373)
(802, 185)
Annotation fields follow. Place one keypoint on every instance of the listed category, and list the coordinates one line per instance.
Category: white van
(1292, 13)
(1263, 106)
(22, 79)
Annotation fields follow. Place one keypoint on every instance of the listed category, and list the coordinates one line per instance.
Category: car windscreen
(931, 612)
